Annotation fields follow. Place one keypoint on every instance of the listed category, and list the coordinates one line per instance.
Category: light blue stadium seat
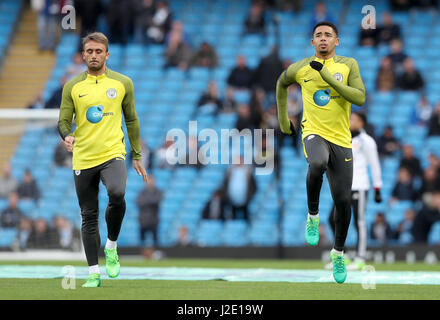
(434, 234)
(263, 234)
(7, 236)
(209, 233)
(234, 233)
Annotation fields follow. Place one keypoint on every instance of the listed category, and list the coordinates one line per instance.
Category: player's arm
(133, 128)
(354, 92)
(373, 161)
(286, 78)
(67, 109)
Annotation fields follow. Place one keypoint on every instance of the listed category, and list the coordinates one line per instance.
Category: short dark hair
(361, 116)
(325, 23)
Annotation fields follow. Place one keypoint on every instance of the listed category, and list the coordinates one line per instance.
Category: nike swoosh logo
(346, 160)
(80, 96)
(308, 80)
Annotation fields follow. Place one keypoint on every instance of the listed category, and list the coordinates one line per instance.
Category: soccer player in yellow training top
(329, 85)
(98, 97)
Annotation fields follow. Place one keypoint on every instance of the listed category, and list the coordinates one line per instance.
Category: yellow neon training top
(327, 97)
(98, 103)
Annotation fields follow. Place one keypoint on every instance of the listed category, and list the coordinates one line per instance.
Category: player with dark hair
(98, 97)
(330, 84)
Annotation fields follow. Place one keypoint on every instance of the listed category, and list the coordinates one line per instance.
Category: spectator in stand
(397, 56)
(410, 161)
(62, 157)
(24, 231)
(257, 106)
(241, 76)
(422, 112)
(160, 24)
(426, 217)
(120, 14)
(10, 216)
(38, 102)
(434, 122)
(434, 162)
(401, 5)
(404, 188)
(8, 183)
(205, 56)
(245, 119)
(76, 67)
(367, 37)
(88, 11)
(289, 5)
(239, 188)
(214, 209)
(43, 237)
(320, 14)
(229, 104)
(210, 101)
(255, 23)
(385, 79)
(426, 5)
(267, 73)
(177, 28)
(388, 30)
(258, 101)
(49, 14)
(388, 144)
(68, 235)
(178, 53)
(183, 237)
(411, 79)
(145, 10)
(430, 183)
(54, 101)
(294, 104)
(148, 201)
(403, 229)
(161, 155)
(28, 188)
(380, 229)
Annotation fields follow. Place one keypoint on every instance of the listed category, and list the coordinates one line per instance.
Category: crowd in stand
(38, 233)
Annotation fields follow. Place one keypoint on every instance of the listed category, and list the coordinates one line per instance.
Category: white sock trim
(339, 253)
(110, 245)
(313, 216)
(94, 269)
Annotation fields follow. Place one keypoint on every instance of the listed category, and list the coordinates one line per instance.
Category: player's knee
(343, 199)
(89, 221)
(116, 195)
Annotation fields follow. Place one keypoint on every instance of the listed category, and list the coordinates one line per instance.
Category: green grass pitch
(218, 290)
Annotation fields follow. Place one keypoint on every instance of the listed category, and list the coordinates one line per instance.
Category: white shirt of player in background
(365, 154)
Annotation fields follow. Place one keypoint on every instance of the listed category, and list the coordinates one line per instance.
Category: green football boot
(312, 231)
(339, 270)
(112, 265)
(93, 281)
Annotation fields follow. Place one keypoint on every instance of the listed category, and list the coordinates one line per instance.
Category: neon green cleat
(312, 231)
(339, 270)
(93, 281)
(112, 265)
